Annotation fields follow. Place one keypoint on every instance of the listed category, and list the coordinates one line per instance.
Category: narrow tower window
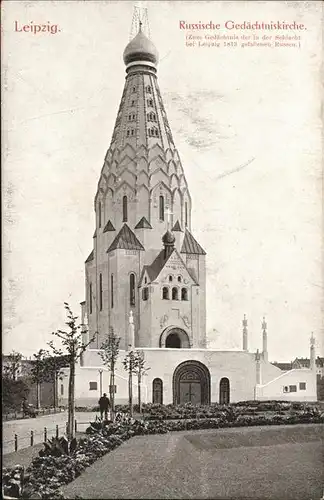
(165, 293)
(112, 291)
(90, 298)
(184, 294)
(174, 293)
(100, 291)
(186, 214)
(99, 214)
(132, 289)
(124, 208)
(161, 208)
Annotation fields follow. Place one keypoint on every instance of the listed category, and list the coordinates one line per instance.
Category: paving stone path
(264, 463)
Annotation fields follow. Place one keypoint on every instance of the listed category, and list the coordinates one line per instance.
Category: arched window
(161, 207)
(175, 293)
(145, 293)
(134, 89)
(170, 278)
(173, 341)
(165, 293)
(133, 131)
(127, 132)
(90, 298)
(157, 391)
(224, 391)
(156, 132)
(100, 291)
(148, 89)
(150, 102)
(132, 289)
(99, 214)
(112, 291)
(184, 294)
(124, 208)
(179, 279)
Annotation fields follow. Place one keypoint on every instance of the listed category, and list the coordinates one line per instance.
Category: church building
(145, 277)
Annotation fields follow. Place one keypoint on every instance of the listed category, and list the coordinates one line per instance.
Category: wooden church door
(190, 388)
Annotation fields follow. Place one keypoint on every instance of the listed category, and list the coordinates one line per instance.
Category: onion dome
(140, 49)
(168, 238)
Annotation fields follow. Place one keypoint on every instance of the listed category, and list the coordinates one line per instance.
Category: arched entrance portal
(224, 391)
(173, 340)
(174, 337)
(191, 383)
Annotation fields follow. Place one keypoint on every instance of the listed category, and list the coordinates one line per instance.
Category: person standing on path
(104, 405)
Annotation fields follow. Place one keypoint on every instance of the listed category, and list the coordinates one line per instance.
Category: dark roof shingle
(90, 257)
(190, 245)
(109, 227)
(143, 224)
(126, 240)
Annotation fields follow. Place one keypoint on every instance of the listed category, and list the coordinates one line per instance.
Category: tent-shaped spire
(109, 227)
(190, 245)
(143, 224)
(126, 240)
(176, 227)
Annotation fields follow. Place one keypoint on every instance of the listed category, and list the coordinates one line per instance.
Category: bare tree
(134, 363)
(109, 354)
(38, 372)
(11, 365)
(74, 348)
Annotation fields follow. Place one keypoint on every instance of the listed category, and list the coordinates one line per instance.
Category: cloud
(199, 124)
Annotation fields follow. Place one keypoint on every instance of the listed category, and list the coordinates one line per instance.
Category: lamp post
(100, 381)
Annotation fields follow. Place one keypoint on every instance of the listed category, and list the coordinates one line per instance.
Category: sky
(246, 122)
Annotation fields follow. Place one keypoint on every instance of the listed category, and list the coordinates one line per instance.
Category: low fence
(18, 415)
(32, 437)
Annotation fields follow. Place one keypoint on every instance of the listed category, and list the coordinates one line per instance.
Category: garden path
(23, 427)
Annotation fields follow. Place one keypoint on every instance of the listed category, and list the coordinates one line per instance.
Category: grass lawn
(275, 462)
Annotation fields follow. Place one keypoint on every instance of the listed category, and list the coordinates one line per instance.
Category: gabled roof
(143, 224)
(126, 240)
(109, 227)
(158, 264)
(190, 245)
(91, 257)
(176, 227)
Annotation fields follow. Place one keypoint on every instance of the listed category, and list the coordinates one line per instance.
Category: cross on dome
(168, 214)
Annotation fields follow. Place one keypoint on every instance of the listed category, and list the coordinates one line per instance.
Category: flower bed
(60, 462)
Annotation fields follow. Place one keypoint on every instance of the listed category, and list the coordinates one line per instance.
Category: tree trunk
(130, 387)
(139, 391)
(38, 395)
(55, 391)
(71, 401)
(112, 392)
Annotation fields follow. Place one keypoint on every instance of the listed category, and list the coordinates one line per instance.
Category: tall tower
(142, 196)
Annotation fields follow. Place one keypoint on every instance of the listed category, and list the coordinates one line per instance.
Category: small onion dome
(140, 49)
(168, 238)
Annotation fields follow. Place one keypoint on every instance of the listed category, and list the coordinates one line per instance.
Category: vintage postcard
(162, 249)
